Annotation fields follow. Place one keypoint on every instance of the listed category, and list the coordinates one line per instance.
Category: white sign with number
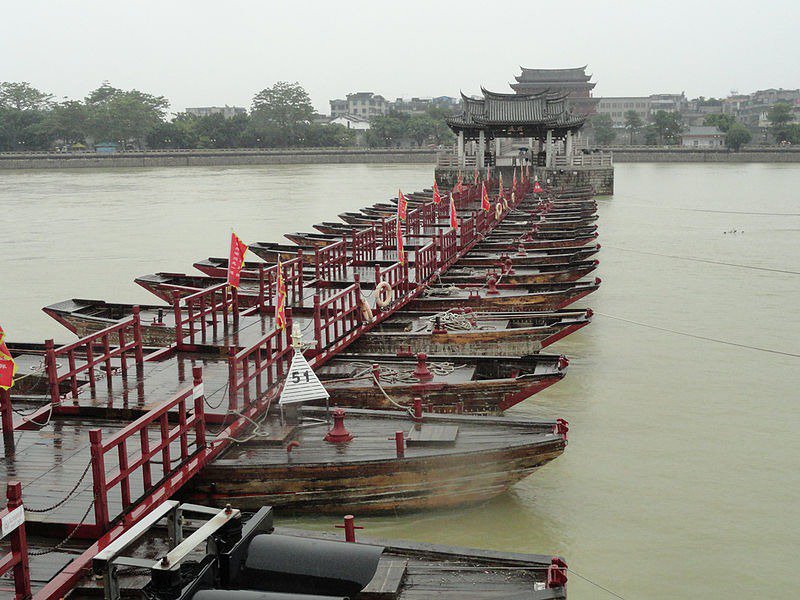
(302, 384)
(13, 520)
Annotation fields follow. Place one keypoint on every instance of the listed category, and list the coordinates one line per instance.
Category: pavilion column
(461, 157)
(496, 149)
(568, 147)
(548, 160)
(481, 148)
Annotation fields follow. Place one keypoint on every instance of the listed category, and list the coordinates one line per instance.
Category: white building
(351, 122)
(361, 104)
(703, 137)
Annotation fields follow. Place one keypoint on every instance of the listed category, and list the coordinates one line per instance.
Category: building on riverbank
(574, 83)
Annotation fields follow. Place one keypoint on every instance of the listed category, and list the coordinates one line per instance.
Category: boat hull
(515, 303)
(373, 487)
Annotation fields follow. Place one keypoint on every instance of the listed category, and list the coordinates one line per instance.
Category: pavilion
(542, 119)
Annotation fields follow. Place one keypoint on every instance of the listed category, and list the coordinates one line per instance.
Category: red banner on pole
(402, 206)
(401, 255)
(514, 181)
(500, 189)
(280, 303)
(236, 260)
(485, 204)
(475, 180)
(436, 196)
(453, 214)
(7, 365)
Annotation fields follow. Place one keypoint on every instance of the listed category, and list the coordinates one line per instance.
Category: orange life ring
(384, 294)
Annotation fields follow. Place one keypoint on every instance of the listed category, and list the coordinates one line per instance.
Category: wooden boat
(542, 241)
(472, 333)
(484, 256)
(448, 383)
(555, 233)
(316, 240)
(165, 285)
(448, 461)
(270, 252)
(546, 223)
(545, 296)
(218, 267)
(84, 317)
(544, 256)
(460, 275)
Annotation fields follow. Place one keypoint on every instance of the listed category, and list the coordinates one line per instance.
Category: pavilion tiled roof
(554, 75)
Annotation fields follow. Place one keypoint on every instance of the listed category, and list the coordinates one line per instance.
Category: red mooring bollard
(400, 443)
(417, 418)
(338, 433)
(421, 371)
(349, 528)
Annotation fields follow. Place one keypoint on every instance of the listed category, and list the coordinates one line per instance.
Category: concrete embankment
(59, 160)
(693, 155)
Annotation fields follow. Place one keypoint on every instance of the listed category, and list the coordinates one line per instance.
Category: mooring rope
(704, 260)
(700, 337)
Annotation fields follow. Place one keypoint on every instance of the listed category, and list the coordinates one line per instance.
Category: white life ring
(505, 204)
(498, 210)
(384, 294)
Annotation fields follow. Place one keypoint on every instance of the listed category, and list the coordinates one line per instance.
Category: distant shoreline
(183, 158)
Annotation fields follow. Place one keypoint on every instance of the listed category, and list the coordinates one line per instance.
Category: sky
(204, 53)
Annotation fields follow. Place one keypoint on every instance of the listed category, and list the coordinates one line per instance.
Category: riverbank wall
(188, 158)
(205, 158)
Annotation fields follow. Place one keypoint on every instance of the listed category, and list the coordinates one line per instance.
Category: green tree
(68, 121)
(780, 115)
(633, 123)
(22, 96)
(387, 131)
(668, 126)
(737, 136)
(118, 115)
(442, 134)
(603, 125)
(420, 128)
(720, 121)
(280, 111)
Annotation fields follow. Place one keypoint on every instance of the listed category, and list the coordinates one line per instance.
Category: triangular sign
(302, 384)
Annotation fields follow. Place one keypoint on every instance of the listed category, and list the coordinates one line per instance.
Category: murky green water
(681, 478)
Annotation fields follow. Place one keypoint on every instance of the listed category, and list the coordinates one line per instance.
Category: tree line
(280, 116)
(666, 127)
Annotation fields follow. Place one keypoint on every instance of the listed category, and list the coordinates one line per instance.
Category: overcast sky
(203, 53)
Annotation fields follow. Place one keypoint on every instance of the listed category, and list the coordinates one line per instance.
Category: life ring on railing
(505, 203)
(498, 210)
(365, 311)
(384, 294)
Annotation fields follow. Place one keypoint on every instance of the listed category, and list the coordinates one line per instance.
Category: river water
(681, 477)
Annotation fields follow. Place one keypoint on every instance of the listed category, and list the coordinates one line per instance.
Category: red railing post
(235, 305)
(52, 370)
(317, 323)
(300, 277)
(176, 309)
(7, 421)
(199, 407)
(99, 479)
(261, 289)
(19, 546)
(137, 336)
(232, 391)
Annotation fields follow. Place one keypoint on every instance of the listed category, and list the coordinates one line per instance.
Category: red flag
(489, 173)
(453, 214)
(280, 304)
(402, 205)
(436, 197)
(7, 365)
(485, 204)
(475, 180)
(235, 260)
(500, 189)
(401, 256)
(514, 181)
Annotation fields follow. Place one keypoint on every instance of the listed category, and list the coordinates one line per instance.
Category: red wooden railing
(7, 420)
(337, 317)
(466, 233)
(190, 430)
(252, 371)
(292, 280)
(413, 222)
(331, 260)
(214, 304)
(387, 233)
(364, 245)
(396, 276)
(448, 248)
(426, 262)
(17, 559)
(93, 351)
